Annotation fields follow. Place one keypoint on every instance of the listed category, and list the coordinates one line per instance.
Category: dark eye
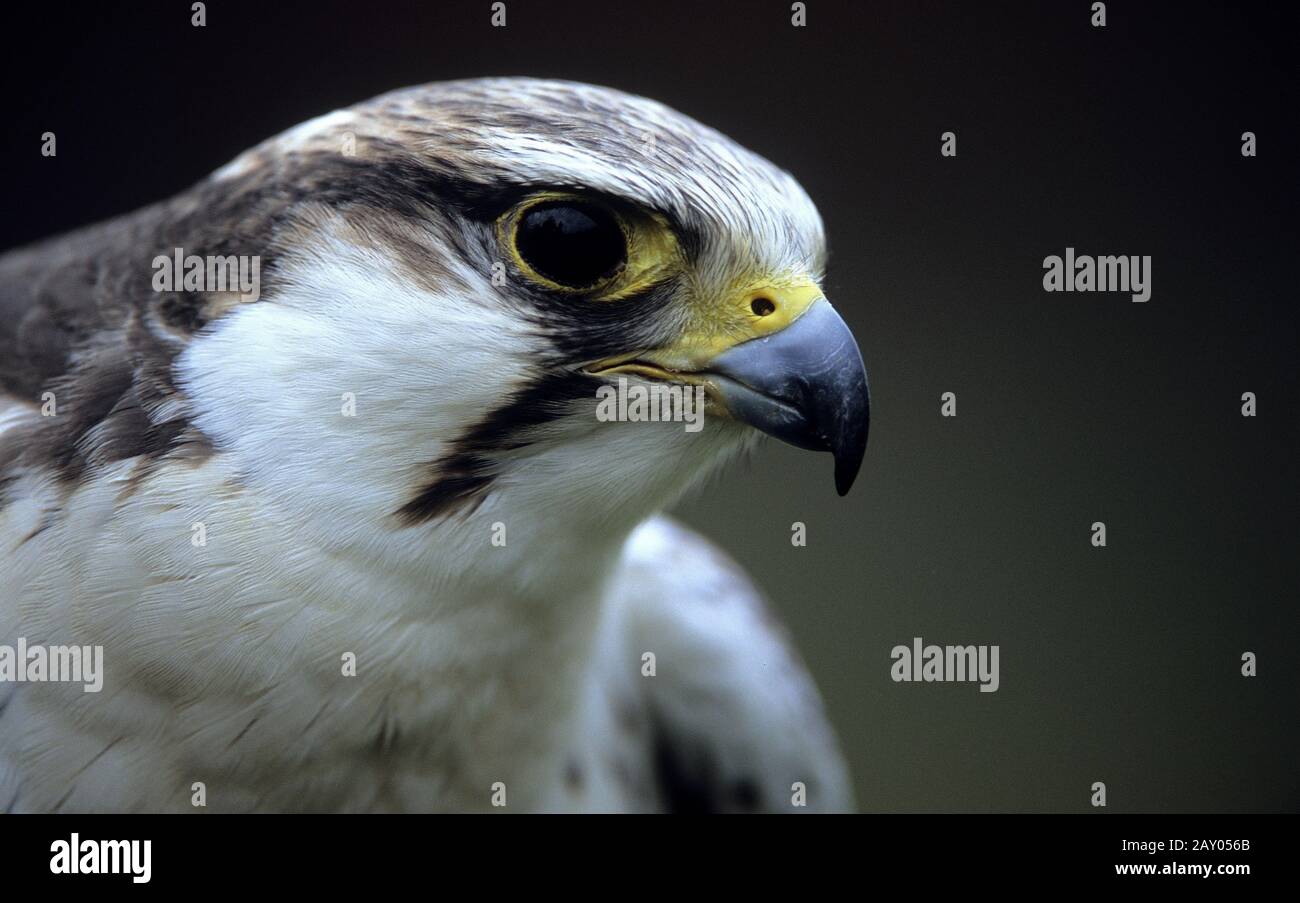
(572, 243)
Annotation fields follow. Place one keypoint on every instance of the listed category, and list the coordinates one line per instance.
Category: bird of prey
(357, 541)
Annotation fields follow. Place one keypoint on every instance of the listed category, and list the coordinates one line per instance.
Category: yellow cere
(752, 306)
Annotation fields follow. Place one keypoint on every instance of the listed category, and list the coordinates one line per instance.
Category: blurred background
(1119, 664)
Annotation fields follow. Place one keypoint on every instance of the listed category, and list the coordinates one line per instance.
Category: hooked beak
(800, 378)
(805, 385)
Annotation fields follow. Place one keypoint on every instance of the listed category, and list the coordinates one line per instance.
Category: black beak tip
(848, 461)
(845, 474)
(805, 385)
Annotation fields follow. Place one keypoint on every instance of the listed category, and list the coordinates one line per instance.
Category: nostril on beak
(762, 307)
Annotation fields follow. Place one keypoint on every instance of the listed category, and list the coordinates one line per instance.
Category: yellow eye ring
(567, 243)
(650, 251)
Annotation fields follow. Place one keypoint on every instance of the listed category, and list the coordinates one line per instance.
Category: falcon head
(450, 273)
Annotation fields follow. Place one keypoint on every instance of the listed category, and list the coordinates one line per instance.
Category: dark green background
(1118, 664)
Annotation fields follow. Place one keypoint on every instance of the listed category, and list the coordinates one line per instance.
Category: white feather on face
(426, 358)
(269, 383)
(478, 661)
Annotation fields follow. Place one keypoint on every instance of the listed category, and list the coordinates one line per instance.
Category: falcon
(356, 540)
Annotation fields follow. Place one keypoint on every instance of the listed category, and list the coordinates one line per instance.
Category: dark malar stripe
(464, 475)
